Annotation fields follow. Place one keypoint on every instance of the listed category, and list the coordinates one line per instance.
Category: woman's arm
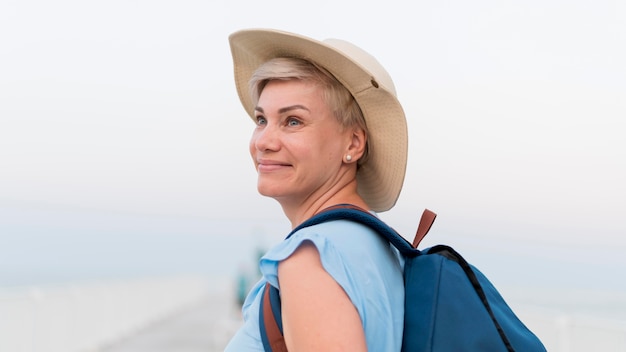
(317, 313)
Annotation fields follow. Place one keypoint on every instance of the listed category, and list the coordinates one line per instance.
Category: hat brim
(380, 178)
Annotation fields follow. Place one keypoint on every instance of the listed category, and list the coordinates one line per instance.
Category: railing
(75, 318)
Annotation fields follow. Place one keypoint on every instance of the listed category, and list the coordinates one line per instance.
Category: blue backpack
(449, 304)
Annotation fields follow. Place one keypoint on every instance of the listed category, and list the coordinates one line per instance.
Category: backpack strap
(270, 317)
(270, 320)
(426, 222)
(357, 214)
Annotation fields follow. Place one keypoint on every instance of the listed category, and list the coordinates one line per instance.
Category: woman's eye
(260, 120)
(293, 122)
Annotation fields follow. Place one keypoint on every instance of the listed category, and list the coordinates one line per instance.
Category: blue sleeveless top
(363, 263)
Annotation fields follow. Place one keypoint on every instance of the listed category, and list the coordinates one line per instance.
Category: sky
(515, 114)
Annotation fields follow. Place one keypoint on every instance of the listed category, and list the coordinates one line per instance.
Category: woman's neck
(299, 211)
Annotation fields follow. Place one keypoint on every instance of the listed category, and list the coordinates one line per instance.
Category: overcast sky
(515, 109)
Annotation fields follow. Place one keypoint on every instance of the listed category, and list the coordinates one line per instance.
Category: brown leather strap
(428, 217)
(274, 336)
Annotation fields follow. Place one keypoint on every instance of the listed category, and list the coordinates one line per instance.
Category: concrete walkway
(205, 327)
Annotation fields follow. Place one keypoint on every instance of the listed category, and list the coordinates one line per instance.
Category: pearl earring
(348, 157)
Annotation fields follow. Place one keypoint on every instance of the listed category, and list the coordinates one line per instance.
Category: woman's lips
(271, 165)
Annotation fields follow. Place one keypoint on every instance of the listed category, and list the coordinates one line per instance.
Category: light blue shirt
(364, 264)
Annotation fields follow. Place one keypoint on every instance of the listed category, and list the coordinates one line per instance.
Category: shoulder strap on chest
(270, 320)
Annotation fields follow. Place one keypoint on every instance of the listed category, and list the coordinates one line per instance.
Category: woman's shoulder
(342, 232)
(338, 242)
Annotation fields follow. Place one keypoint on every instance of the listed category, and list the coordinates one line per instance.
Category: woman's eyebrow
(285, 109)
(293, 107)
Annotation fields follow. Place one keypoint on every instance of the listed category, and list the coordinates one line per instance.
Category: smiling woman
(329, 130)
(298, 148)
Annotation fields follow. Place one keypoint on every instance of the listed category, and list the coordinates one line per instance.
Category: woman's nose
(266, 138)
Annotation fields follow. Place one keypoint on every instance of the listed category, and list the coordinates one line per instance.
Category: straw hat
(380, 178)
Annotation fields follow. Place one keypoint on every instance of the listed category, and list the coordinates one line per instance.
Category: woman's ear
(357, 146)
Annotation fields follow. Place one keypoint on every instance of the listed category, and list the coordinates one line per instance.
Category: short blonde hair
(340, 100)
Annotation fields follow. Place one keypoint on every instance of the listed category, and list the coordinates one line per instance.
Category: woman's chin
(271, 192)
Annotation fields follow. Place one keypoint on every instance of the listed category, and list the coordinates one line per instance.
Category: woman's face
(298, 145)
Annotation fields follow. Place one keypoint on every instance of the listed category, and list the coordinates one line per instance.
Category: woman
(329, 130)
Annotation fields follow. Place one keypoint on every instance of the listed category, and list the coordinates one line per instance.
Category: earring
(348, 157)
